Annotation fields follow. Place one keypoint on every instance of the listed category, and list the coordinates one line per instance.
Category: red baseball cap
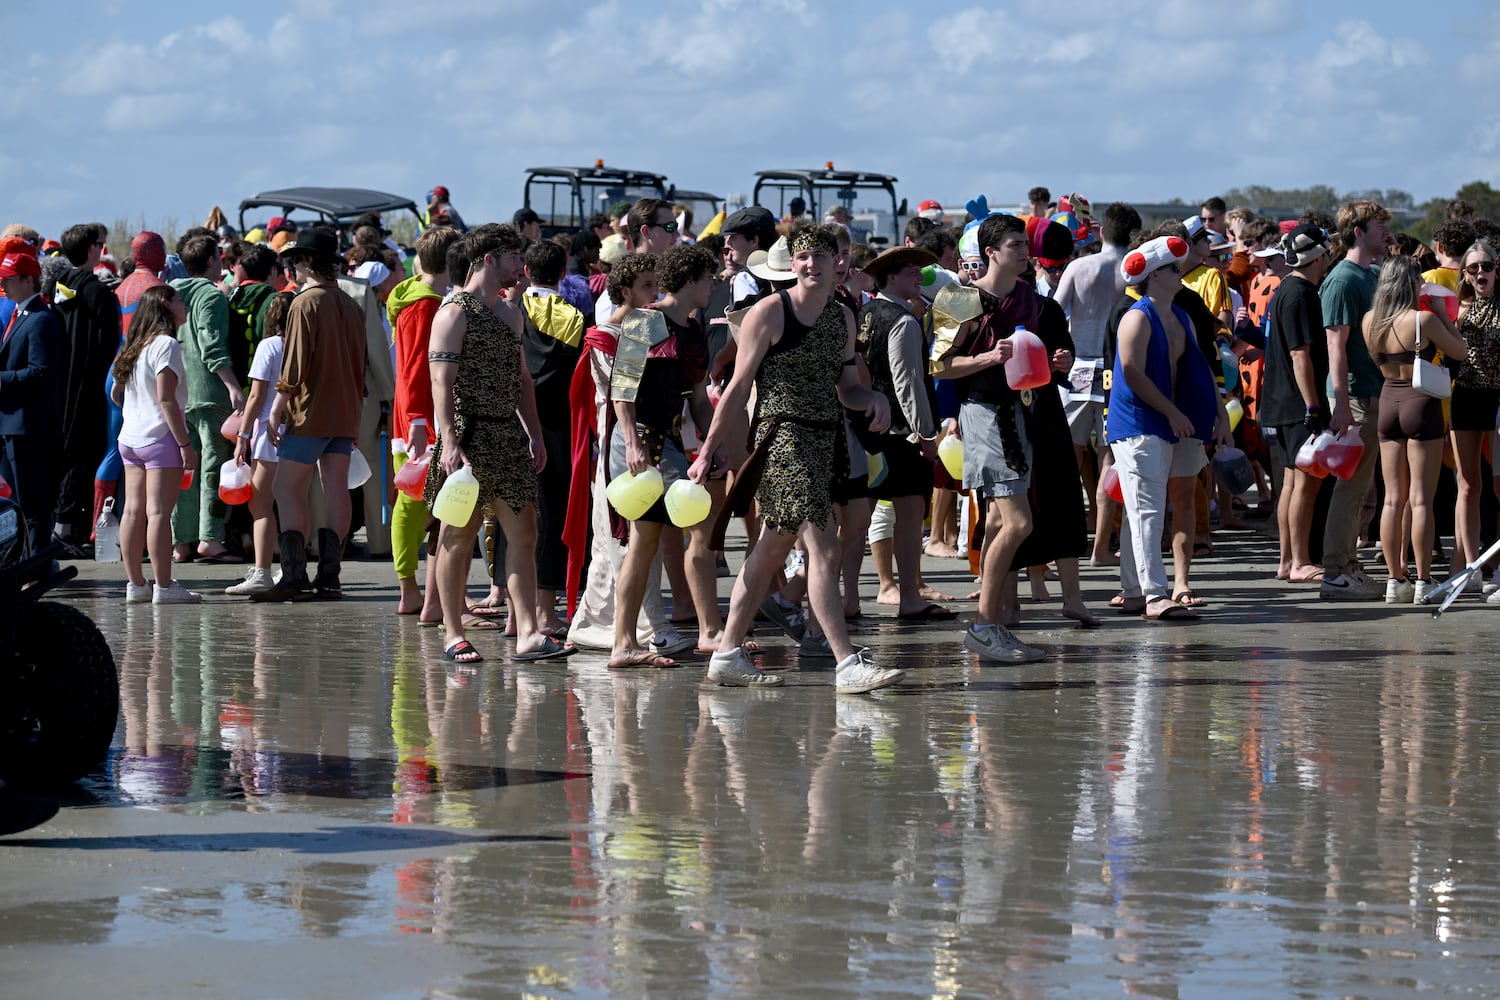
(440, 193)
(13, 264)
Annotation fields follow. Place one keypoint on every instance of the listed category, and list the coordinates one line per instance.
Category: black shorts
(1473, 409)
(1289, 440)
(909, 475)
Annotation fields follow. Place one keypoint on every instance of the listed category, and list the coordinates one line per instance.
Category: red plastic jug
(411, 479)
(1309, 456)
(1028, 367)
(1111, 484)
(234, 483)
(1341, 455)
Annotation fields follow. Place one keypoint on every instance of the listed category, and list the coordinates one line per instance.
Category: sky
(154, 111)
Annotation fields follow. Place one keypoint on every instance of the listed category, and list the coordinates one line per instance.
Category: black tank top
(793, 330)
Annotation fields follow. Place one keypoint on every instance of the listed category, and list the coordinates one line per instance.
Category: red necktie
(15, 315)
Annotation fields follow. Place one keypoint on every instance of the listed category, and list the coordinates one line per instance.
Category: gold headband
(812, 239)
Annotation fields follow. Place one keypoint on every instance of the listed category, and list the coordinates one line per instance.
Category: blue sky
(160, 110)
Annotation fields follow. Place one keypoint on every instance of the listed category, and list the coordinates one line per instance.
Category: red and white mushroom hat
(1152, 256)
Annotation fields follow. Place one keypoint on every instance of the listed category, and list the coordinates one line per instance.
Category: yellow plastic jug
(456, 500)
(951, 454)
(687, 503)
(1236, 410)
(631, 495)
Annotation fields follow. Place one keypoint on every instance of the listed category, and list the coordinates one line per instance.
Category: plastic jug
(107, 534)
(1236, 411)
(231, 426)
(1341, 455)
(1438, 298)
(457, 499)
(1111, 484)
(951, 454)
(187, 479)
(632, 495)
(1308, 459)
(1028, 367)
(687, 503)
(1233, 470)
(234, 483)
(411, 478)
(877, 470)
(359, 469)
(1231, 365)
(4, 489)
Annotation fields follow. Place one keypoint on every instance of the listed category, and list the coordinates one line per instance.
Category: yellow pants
(408, 528)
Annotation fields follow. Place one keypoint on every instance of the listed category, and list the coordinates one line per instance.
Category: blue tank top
(1130, 416)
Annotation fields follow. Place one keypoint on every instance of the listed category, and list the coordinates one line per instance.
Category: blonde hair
(1396, 293)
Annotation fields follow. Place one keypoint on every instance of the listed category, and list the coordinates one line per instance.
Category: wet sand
(1287, 797)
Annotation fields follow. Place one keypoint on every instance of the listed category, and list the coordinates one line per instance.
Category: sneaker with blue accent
(999, 645)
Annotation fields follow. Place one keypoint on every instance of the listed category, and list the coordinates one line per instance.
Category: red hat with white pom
(1152, 255)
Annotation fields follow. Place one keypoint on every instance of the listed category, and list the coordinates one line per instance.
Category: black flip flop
(931, 613)
(462, 648)
(550, 649)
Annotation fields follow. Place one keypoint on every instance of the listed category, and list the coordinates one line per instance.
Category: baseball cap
(1196, 230)
(13, 264)
(930, 209)
(440, 192)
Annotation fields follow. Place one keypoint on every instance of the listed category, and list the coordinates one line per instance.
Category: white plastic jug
(107, 534)
(1236, 411)
(457, 499)
(359, 469)
(951, 454)
(1028, 367)
(234, 483)
(632, 495)
(687, 502)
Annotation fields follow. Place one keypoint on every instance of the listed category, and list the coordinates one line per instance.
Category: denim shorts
(308, 450)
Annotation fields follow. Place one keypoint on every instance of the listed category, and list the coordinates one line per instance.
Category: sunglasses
(1482, 267)
(670, 227)
(1226, 256)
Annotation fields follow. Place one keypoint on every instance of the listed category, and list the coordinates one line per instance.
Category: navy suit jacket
(30, 373)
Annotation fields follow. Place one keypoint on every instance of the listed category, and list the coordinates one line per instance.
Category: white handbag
(1428, 378)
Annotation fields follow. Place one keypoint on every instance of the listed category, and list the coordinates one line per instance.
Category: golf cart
(565, 197)
(338, 207)
(59, 691)
(820, 190)
(704, 205)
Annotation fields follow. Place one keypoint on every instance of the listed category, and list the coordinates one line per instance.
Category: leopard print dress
(486, 393)
(799, 378)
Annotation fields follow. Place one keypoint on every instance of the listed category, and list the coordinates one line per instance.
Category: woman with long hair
(151, 390)
(1476, 392)
(1397, 330)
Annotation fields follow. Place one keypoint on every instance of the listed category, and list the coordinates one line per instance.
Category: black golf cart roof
(338, 204)
(827, 177)
(600, 172)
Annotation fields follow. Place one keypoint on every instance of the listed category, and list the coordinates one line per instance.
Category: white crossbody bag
(1429, 378)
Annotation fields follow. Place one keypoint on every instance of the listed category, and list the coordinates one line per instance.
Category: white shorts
(261, 448)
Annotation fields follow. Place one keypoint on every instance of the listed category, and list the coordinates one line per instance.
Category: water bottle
(1028, 367)
(107, 534)
(457, 499)
(1231, 365)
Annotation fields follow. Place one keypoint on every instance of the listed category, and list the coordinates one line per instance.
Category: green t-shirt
(1347, 294)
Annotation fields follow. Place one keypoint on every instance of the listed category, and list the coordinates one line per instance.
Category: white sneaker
(734, 669)
(858, 674)
(995, 643)
(1420, 589)
(668, 641)
(256, 581)
(1493, 584)
(1345, 587)
(137, 593)
(815, 647)
(175, 594)
(1399, 591)
(1494, 597)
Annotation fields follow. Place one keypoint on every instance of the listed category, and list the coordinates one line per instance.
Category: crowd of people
(984, 391)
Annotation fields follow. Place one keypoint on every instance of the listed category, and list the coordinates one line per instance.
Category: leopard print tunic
(800, 380)
(486, 393)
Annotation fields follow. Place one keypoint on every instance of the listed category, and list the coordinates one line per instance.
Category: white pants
(1144, 465)
(594, 619)
(882, 521)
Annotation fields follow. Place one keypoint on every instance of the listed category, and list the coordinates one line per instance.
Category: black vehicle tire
(73, 692)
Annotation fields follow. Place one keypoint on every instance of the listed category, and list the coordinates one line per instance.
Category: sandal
(475, 622)
(1164, 609)
(462, 651)
(484, 610)
(550, 649)
(1188, 599)
(644, 658)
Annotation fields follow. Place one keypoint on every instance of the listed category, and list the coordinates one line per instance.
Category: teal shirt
(1347, 294)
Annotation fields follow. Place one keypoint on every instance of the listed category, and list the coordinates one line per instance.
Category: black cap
(753, 221)
(524, 217)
